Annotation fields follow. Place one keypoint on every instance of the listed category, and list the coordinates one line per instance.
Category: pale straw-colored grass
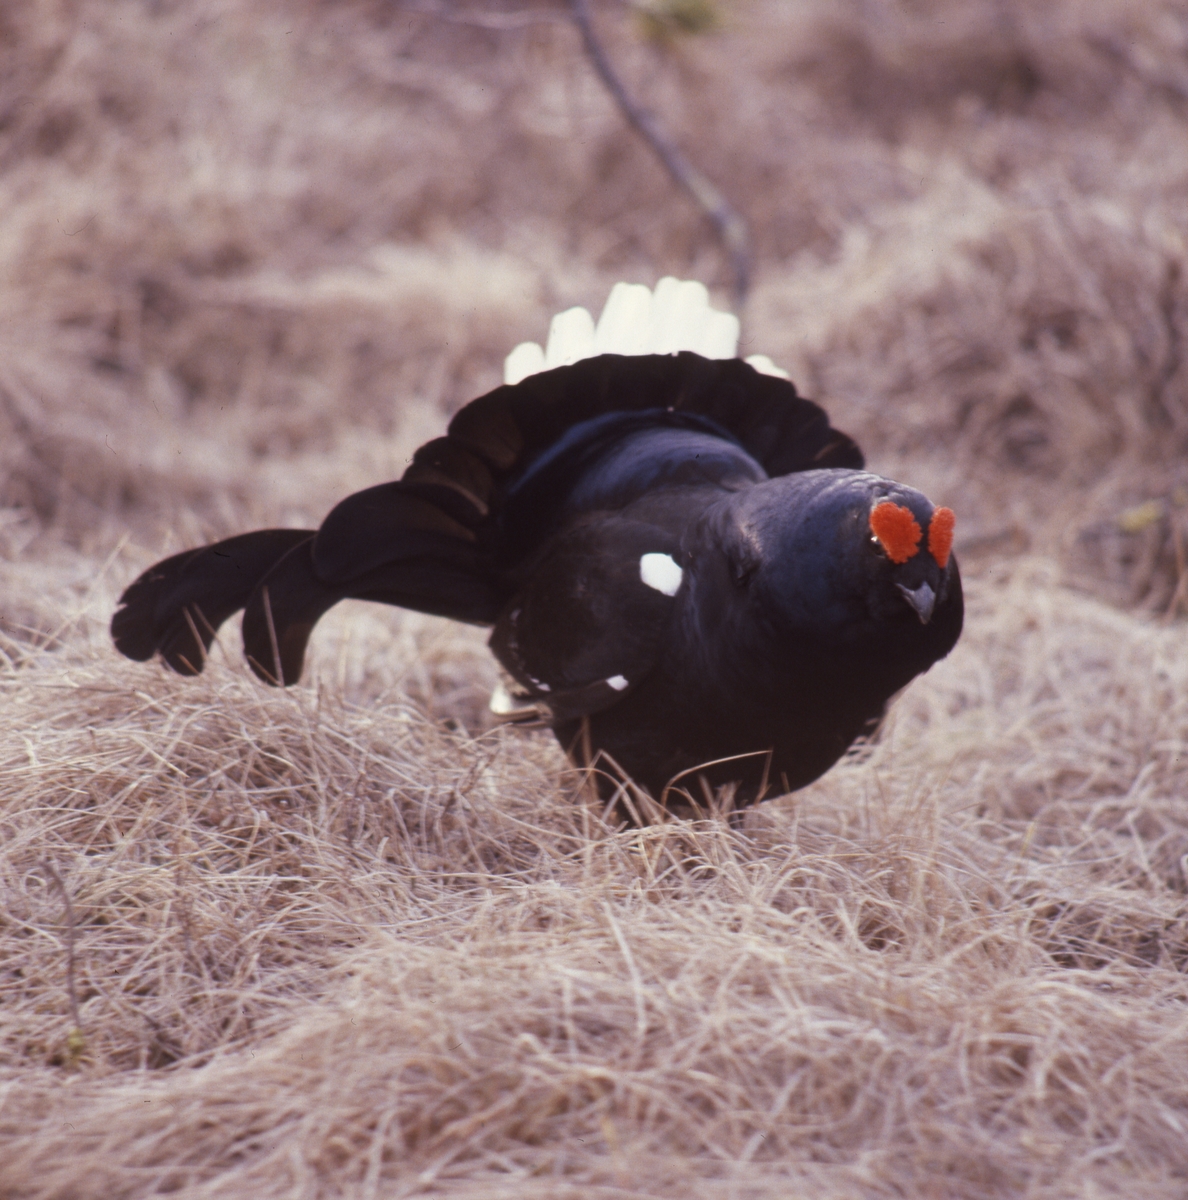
(332, 949)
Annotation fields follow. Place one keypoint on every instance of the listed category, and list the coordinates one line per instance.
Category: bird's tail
(416, 543)
(175, 608)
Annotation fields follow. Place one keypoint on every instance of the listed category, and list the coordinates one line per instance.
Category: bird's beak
(922, 600)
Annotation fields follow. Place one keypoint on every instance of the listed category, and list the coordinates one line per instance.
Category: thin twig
(498, 21)
(730, 225)
(70, 989)
(279, 676)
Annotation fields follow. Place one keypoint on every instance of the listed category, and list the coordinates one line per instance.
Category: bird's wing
(587, 625)
(175, 607)
(431, 541)
(376, 547)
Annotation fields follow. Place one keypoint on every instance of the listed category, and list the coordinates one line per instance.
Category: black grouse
(689, 574)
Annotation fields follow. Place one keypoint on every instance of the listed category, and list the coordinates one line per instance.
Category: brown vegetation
(347, 940)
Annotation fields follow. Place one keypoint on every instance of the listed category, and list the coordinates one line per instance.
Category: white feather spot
(618, 682)
(765, 366)
(661, 572)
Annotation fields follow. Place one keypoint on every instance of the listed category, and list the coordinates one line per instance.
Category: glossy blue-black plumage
(771, 628)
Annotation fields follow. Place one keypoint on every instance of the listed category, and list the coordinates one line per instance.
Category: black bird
(682, 560)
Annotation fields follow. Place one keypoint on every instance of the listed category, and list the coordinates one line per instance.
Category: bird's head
(838, 554)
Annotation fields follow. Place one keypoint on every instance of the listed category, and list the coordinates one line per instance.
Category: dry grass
(347, 940)
(327, 948)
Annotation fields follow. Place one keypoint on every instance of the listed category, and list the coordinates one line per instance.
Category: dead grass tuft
(323, 944)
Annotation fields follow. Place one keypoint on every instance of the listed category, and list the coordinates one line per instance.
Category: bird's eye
(742, 570)
(743, 559)
(896, 530)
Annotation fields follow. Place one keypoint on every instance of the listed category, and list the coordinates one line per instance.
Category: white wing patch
(661, 572)
(502, 702)
(618, 682)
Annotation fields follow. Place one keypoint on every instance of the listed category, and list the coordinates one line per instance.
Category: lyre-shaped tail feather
(509, 427)
(175, 607)
(411, 544)
(385, 523)
(280, 615)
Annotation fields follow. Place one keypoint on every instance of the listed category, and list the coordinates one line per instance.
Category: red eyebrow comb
(897, 530)
(940, 535)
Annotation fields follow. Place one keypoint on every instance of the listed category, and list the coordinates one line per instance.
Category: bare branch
(498, 21)
(730, 225)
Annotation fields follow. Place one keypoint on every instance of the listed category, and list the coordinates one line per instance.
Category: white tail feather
(571, 337)
(626, 320)
(719, 335)
(635, 320)
(526, 359)
(765, 366)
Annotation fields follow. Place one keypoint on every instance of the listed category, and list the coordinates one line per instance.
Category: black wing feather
(585, 616)
(289, 601)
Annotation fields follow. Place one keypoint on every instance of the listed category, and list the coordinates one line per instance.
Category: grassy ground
(349, 941)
